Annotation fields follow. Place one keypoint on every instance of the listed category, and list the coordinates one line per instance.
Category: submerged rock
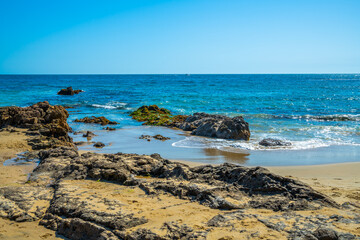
(99, 145)
(69, 91)
(157, 137)
(96, 120)
(110, 129)
(89, 134)
(271, 142)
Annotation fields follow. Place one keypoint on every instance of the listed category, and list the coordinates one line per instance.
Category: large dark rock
(217, 126)
(69, 91)
(47, 120)
(271, 142)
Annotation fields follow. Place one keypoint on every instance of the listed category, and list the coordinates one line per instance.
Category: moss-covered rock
(152, 115)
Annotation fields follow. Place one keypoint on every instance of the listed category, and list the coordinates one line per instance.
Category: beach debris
(69, 91)
(97, 120)
(99, 145)
(272, 142)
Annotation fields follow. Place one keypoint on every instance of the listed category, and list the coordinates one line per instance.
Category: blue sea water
(319, 114)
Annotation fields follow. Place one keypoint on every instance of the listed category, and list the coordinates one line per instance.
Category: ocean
(318, 113)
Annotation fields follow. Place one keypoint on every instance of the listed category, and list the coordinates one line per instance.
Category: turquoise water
(319, 114)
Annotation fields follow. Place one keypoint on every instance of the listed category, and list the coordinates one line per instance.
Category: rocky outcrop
(271, 142)
(69, 91)
(96, 196)
(217, 126)
(200, 124)
(209, 185)
(96, 120)
(46, 123)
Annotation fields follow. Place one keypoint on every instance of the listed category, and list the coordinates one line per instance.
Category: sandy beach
(339, 181)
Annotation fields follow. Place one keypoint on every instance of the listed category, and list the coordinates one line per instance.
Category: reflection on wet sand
(235, 157)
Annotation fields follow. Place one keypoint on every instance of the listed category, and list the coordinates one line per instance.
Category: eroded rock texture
(129, 196)
(46, 123)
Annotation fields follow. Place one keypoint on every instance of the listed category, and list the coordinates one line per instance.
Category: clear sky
(179, 36)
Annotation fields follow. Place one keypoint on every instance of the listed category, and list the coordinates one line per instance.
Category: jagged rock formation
(46, 123)
(69, 91)
(97, 120)
(95, 196)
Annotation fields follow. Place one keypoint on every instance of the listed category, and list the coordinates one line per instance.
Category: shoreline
(129, 196)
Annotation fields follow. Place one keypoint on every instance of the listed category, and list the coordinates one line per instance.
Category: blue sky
(182, 36)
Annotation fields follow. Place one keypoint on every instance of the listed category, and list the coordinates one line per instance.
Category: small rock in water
(157, 136)
(110, 129)
(271, 142)
(147, 137)
(160, 137)
(99, 145)
(89, 134)
(69, 91)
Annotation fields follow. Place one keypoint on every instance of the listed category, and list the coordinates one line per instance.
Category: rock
(217, 126)
(69, 91)
(326, 234)
(47, 120)
(201, 124)
(152, 115)
(213, 186)
(271, 142)
(99, 145)
(110, 129)
(146, 137)
(160, 137)
(89, 134)
(96, 120)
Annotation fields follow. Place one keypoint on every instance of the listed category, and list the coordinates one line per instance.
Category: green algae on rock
(152, 115)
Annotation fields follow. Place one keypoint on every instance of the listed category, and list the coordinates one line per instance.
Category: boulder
(69, 91)
(271, 142)
(217, 126)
